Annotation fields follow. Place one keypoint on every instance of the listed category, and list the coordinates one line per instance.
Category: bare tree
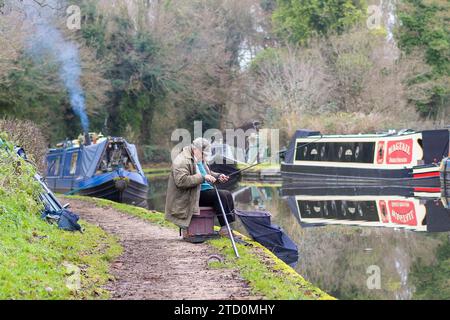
(350, 83)
(11, 40)
(295, 82)
(28, 136)
(372, 75)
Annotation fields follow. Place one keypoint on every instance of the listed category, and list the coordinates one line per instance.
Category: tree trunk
(146, 125)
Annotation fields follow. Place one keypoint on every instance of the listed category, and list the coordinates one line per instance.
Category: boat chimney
(87, 139)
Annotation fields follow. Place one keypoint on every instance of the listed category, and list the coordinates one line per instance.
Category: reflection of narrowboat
(404, 158)
(392, 211)
(108, 168)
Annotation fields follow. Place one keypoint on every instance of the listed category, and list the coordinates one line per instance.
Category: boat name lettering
(403, 217)
(403, 212)
(399, 152)
(400, 146)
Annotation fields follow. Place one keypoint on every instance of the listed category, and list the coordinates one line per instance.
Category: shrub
(355, 123)
(27, 135)
(19, 190)
(155, 154)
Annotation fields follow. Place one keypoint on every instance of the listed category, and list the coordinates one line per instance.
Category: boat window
(360, 152)
(339, 210)
(116, 157)
(70, 164)
(73, 163)
(53, 166)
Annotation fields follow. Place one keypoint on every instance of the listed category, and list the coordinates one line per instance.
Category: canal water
(356, 243)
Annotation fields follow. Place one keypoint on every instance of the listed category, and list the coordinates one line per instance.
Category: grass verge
(158, 175)
(259, 167)
(257, 184)
(38, 261)
(156, 170)
(267, 275)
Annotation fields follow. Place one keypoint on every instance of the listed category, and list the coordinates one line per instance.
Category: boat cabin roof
(400, 133)
(62, 150)
(365, 135)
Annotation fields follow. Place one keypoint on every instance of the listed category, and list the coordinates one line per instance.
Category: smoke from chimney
(47, 41)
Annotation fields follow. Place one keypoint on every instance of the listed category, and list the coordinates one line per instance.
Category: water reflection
(157, 193)
(342, 232)
(369, 207)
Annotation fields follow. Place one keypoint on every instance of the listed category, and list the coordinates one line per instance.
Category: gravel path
(157, 265)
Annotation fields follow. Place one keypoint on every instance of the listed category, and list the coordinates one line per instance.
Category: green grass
(150, 170)
(272, 279)
(33, 261)
(34, 255)
(259, 167)
(158, 175)
(267, 275)
(157, 172)
(260, 184)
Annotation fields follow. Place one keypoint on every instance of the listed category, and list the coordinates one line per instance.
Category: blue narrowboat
(107, 168)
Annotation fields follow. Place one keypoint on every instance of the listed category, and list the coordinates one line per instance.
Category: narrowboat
(404, 158)
(369, 207)
(100, 167)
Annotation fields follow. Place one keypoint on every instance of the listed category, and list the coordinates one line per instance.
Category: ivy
(424, 27)
(298, 20)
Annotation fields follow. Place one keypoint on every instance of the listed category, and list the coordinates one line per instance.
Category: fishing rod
(230, 233)
(303, 145)
(307, 144)
(256, 164)
(245, 169)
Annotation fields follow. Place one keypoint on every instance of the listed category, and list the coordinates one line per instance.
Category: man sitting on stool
(190, 187)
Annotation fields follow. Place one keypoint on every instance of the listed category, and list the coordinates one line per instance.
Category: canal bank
(157, 264)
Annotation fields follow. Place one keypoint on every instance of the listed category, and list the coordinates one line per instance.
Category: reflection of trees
(335, 258)
(157, 194)
(433, 281)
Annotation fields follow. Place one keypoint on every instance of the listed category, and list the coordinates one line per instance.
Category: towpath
(157, 265)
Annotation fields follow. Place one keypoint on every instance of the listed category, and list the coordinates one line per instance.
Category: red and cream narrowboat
(405, 158)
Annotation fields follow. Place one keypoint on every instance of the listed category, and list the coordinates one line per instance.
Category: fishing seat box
(201, 227)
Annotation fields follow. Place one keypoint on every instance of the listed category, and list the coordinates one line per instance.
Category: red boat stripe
(427, 189)
(426, 175)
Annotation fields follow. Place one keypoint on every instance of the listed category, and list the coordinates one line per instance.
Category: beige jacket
(183, 190)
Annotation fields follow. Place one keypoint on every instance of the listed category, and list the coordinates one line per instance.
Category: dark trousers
(208, 198)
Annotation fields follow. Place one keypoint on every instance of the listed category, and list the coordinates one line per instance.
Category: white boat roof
(365, 135)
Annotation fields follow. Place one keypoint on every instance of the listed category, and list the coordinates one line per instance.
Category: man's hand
(210, 179)
(223, 178)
